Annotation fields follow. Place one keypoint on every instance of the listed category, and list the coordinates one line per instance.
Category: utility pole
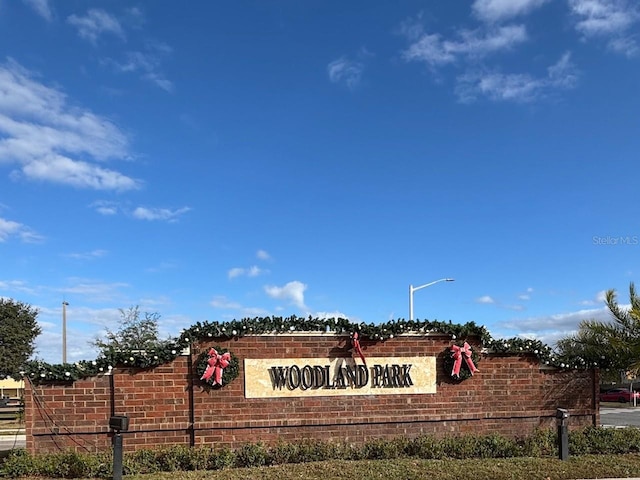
(64, 331)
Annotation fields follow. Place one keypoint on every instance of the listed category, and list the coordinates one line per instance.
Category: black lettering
(328, 376)
(406, 378)
(318, 376)
(377, 374)
(278, 377)
(395, 375)
(363, 376)
(351, 373)
(307, 377)
(386, 379)
(341, 382)
(293, 377)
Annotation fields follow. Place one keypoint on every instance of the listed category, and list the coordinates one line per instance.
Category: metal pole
(412, 289)
(117, 456)
(410, 302)
(64, 332)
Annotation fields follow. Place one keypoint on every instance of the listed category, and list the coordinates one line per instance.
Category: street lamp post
(415, 289)
(64, 331)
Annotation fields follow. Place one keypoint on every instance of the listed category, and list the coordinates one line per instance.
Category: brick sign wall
(512, 395)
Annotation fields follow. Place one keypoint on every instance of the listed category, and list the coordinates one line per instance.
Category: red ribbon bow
(216, 365)
(355, 343)
(457, 353)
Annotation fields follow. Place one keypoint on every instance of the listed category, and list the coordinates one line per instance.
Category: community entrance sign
(312, 377)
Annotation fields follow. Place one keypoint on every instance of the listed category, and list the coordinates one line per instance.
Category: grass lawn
(583, 467)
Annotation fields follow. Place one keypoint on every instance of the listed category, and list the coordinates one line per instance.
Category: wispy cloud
(435, 51)
(163, 214)
(253, 271)
(345, 71)
(147, 63)
(96, 23)
(94, 290)
(42, 8)
(292, 292)
(17, 286)
(598, 299)
(46, 136)
(9, 228)
(500, 10)
(520, 88)
(608, 19)
(486, 299)
(263, 255)
(223, 303)
(93, 254)
(526, 295)
(105, 207)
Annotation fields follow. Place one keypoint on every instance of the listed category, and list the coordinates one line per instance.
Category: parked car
(621, 395)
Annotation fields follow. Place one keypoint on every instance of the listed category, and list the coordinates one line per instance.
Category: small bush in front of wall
(543, 443)
(604, 441)
(69, 464)
(251, 455)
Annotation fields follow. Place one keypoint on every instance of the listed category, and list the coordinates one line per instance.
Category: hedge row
(591, 440)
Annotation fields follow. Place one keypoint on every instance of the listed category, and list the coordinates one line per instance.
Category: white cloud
(235, 272)
(292, 292)
(625, 45)
(526, 295)
(344, 70)
(104, 207)
(604, 17)
(98, 253)
(96, 23)
(610, 19)
(436, 51)
(222, 302)
(517, 87)
(94, 290)
(550, 328)
(53, 141)
(16, 286)
(598, 299)
(42, 8)
(486, 299)
(9, 228)
(253, 271)
(164, 214)
(146, 63)
(499, 10)
(263, 255)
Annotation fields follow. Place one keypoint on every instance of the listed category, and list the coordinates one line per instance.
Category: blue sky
(218, 160)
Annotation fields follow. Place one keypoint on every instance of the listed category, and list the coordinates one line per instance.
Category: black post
(119, 424)
(117, 456)
(562, 417)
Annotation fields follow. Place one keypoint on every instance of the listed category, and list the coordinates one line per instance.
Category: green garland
(38, 371)
(229, 374)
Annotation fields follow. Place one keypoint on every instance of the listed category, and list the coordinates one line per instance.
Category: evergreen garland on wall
(39, 371)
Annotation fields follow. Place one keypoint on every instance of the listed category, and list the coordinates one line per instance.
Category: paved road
(620, 417)
(7, 442)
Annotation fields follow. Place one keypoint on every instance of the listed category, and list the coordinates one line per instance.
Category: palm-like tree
(614, 344)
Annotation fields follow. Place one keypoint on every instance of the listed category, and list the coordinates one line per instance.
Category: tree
(18, 331)
(612, 344)
(135, 333)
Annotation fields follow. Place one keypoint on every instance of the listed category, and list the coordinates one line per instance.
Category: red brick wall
(511, 395)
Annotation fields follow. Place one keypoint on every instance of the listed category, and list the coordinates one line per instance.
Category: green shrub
(251, 455)
(542, 443)
(221, 458)
(426, 447)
